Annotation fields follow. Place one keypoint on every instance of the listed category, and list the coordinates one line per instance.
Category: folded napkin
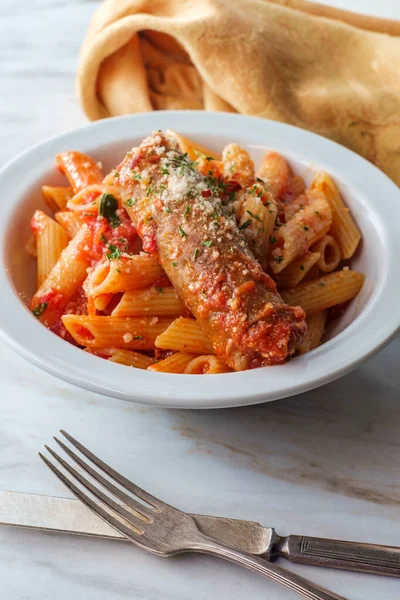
(323, 69)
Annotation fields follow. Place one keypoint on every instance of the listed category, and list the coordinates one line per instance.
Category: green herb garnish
(245, 225)
(187, 211)
(103, 238)
(278, 259)
(253, 215)
(196, 253)
(107, 209)
(158, 289)
(181, 231)
(204, 293)
(272, 239)
(130, 202)
(306, 228)
(39, 309)
(114, 253)
(138, 337)
(206, 243)
(168, 210)
(175, 264)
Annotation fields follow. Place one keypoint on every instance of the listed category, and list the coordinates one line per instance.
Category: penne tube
(275, 172)
(192, 149)
(294, 188)
(316, 324)
(56, 198)
(101, 302)
(257, 221)
(329, 253)
(69, 221)
(81, 170)
(297, 270)
(237, 165)
(127, 273)
(115, 332)
(176, 363)
(207, 365)
(154, 301)
(293, 207)
(295, 237)
(130, 358)
(185, 335)
(324, 292)
(51, 240)
(30, 246)
(344, 228)
(63, 281)
(87, 200)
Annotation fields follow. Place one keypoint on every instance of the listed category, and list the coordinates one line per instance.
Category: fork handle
(353, 556)
(304, 587)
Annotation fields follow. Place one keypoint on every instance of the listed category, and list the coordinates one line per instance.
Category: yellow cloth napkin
(323, 69)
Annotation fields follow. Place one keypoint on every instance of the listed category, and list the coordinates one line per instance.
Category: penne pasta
(295, 237)
(101, 302)
(50, 240)
(207, 365)
(297, 270)
(69, 221)
(344, 228)
(257, 221)
(329, 251)
(63, 281)
(237, 165)
(293, 207)
(275, 173)
(127, 273)
(154, 301)
(30, 246)
(324, 292)
(81, 170)
(115, 332)
(87, 200)
(176, 363)
(192, 149)
(56, 198)
(315, 330)
(130, 358)
(185, 335)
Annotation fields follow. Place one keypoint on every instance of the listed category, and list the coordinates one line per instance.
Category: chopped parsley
(204, 293)
(39, 309)
(114, 253)
(196, 253)
(158, 289)
(306, 228)
(272, 239)
(138, 337)
(168, 210)
(206, 243)
(259, 180)
(322, 284)
(103, 238)
(137, 177)
(130, 202)
(164, 170)
(182, 232)
(107, 209)
(174, 264)
(187, 211)
(317, 213)
(245, 225)
(278, 259)
(253, 215)
(231, 169)
(149, 190)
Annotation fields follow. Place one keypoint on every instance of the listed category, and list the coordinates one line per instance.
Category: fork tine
(128, 516)
(129, 532)
(140, 508)
(132, 487)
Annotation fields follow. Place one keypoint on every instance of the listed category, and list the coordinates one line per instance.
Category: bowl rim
(365, 336)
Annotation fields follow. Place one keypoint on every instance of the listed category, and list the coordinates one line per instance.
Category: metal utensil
(154, 525)
(67, 515)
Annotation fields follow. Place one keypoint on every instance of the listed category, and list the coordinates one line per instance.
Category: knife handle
(352, 556)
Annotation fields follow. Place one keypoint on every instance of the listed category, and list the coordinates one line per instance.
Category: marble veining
(323, 463)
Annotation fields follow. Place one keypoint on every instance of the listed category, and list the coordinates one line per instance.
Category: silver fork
(156, 526)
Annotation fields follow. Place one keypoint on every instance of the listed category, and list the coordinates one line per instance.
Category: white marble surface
(324, 463)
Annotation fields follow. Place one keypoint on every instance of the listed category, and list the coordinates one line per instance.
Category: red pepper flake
(206, 193)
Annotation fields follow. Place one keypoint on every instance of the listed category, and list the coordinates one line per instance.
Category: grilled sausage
(180, 218)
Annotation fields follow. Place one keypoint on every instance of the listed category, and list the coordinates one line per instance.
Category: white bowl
(369, 322)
